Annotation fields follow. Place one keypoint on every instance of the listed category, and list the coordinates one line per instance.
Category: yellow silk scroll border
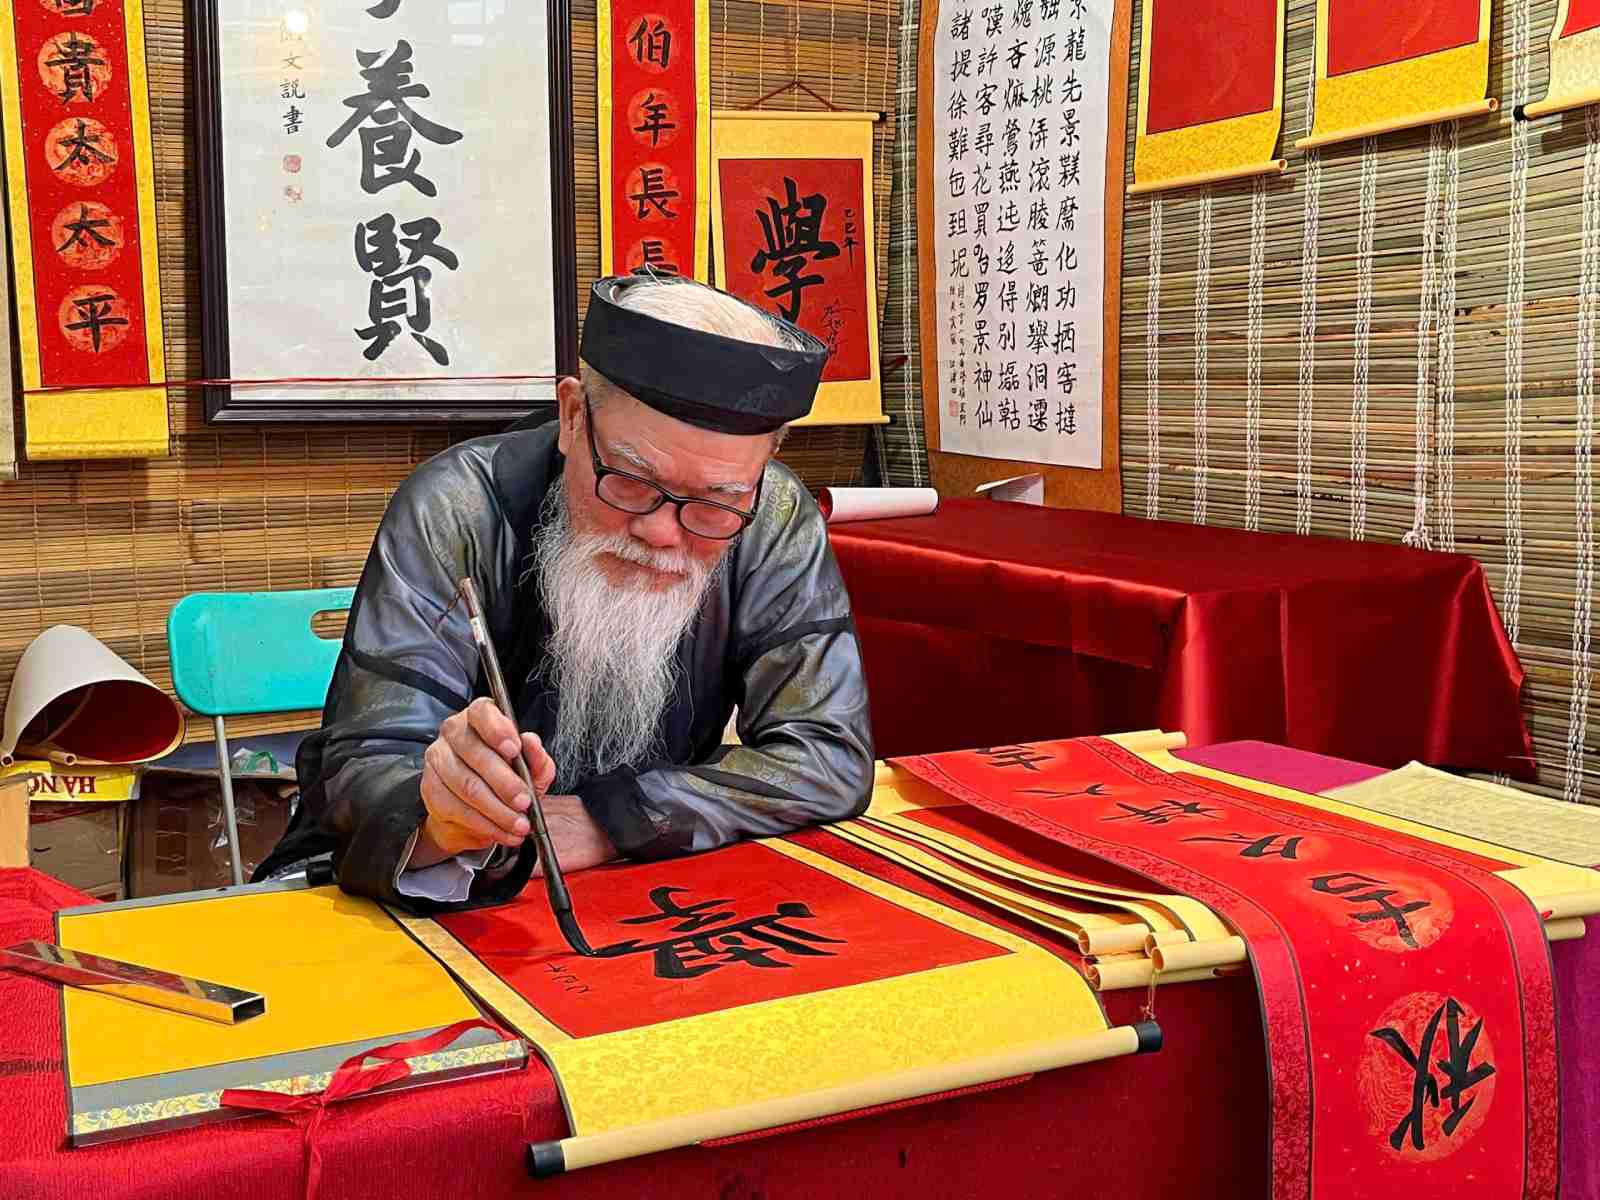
(1399, 95)
(702, 151)
(17, 190)
(1539, 878)
(1229, 148)
(1574, 69)
(144, 181)
(757, 1053)
(755, 134)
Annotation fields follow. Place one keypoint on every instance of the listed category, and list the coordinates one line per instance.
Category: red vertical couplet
(1210, 60)
(81, 180)
(1372, 33)
(793, 229)
(654, 135)
(1405, 987)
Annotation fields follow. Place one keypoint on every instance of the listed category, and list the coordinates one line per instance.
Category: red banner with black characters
(79, 175)
(1406, 989)
(655, 135)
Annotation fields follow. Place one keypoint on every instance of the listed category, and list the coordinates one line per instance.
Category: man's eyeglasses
(632, 494)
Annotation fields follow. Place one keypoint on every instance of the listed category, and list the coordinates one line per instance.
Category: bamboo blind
(1554, 237)
(111, 546)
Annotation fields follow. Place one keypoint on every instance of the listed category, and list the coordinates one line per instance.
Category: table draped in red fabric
(1189, 1120)
(989, 623)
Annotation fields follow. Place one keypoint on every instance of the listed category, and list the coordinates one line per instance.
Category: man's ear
(569, 412)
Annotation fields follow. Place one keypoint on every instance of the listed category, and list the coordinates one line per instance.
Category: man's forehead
(681, 465)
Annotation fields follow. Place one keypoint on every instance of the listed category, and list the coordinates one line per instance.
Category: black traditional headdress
(705, 379)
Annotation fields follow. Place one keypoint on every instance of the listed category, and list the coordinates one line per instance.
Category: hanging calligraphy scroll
(79, 173)
(654, 79)
(1022, 104)
(1383, 66)
(759, 986)
(1405, 988)
(1574, 59)
(8, 438)
(1200, 122)
(386, 208)
(793, 226)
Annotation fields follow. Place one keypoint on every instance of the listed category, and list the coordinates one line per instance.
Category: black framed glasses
(640, 497)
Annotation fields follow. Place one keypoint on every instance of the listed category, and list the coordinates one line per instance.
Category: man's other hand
(470, 787)
(577, 840)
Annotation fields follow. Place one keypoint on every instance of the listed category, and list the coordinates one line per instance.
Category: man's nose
(659, 529)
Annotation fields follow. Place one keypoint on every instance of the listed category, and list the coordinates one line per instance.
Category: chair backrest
(253, 652)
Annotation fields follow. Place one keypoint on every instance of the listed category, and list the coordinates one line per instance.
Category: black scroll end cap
(1520, 113)
(545, 1159)
(319, 873)
(1149, 1035)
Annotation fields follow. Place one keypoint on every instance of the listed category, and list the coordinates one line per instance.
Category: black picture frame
(226, 404)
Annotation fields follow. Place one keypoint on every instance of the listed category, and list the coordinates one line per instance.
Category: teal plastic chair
(236, 653)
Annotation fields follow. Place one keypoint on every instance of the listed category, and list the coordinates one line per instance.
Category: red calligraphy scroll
(79, 170)
(1370, 33)
(655, 135)
(1406, 989)
(1210, 60)
(1582, 16)
(673, 942)
(793, 239)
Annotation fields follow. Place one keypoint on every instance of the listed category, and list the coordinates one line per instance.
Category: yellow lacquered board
(338, 974)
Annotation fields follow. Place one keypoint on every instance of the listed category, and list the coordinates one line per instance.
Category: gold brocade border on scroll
(1234, 143)
(745, 1056)
(1392, 93)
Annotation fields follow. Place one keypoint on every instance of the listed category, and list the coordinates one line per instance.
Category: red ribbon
(351, 1079)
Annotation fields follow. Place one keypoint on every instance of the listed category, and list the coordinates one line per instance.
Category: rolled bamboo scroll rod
(1555, 104)
(1478, 108)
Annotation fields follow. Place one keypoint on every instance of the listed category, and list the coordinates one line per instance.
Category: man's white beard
(612, 657)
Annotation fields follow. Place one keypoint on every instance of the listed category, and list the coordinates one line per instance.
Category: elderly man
(645, 569)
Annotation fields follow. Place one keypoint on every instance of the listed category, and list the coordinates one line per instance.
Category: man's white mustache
(671, 562)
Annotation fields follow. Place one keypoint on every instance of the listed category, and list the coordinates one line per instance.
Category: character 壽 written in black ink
(709, 938)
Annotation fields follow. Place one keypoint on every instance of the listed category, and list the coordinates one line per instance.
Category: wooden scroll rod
(1478, 108)
(1272, 166)
(1543, 108)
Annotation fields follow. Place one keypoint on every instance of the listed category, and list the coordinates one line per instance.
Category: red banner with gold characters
(79, 173)
(1383, 65)
(654, 60)
(1574, 59)
(1406, 988)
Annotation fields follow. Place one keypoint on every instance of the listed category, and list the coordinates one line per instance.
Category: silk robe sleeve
(796, 671)
(405, 667)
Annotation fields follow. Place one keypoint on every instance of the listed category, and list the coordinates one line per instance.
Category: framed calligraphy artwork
(793, 232)
(386, 209)
(80, 182)
(654, 85)
(1022, 106)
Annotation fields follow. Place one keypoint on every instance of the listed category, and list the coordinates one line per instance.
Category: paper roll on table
(867, 503)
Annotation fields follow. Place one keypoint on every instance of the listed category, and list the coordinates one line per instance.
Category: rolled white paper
(867, 504)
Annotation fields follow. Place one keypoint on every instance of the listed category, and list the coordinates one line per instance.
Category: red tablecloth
(1188, 1121)
(990, 623)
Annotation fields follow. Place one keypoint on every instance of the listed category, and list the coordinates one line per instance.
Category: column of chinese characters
(1009, 184)
(390, 250)
(647, 49)
(82, 152)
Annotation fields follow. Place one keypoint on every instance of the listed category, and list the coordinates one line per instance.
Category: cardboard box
(179, 841)
(76, 822)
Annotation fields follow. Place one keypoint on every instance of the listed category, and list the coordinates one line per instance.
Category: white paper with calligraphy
(387, 195)
(1019, 144)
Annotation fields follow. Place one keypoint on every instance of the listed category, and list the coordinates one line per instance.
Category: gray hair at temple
(695, 305)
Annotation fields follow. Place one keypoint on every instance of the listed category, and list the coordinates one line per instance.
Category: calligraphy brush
(555, 882)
